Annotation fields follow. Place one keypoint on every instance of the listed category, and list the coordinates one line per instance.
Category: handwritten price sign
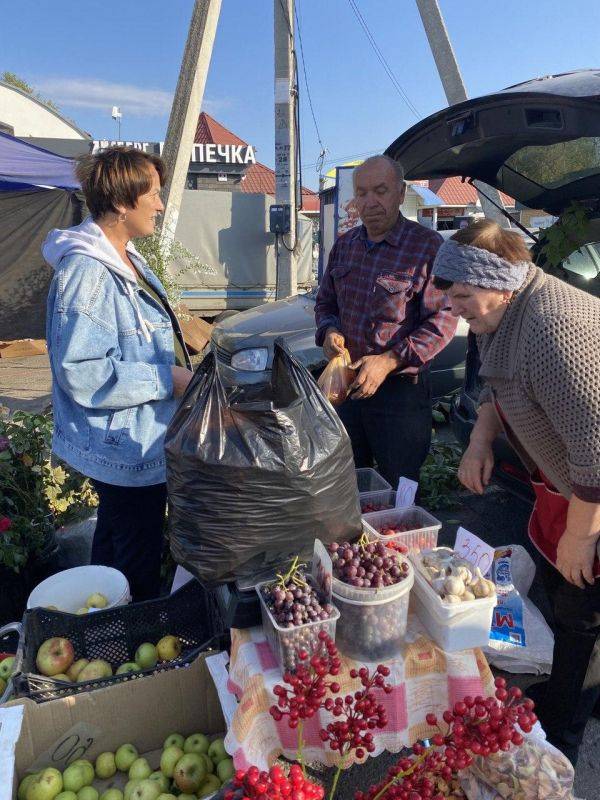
(474, 550)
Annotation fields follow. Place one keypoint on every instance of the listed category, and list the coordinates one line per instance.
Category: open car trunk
(538, 142)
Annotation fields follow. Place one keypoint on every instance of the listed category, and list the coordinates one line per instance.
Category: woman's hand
(181, 378)
(476, 465)
(575, 558)
(334, 344)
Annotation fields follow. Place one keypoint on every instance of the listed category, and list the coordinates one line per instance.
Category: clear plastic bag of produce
(255, 473)
(533, 771)
(336, 378)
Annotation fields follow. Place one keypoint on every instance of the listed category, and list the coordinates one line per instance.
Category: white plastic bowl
(69, 589)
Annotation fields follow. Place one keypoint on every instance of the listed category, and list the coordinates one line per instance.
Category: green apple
(66, 796)
(217, 750)
(210, 767)
(105, 765)
(196, 743)
(146, 656)
(169, 648)
(174, 739)
(75, 777)
(187, 796)
(165, 796)
(225, 770)
(97, 668)
(6, 667)
(139, 770)
(89, 768)
(211, 785)
(2, 686)
(129, 787)
(112, 794)
(62, 677)
(76, 668)
(161, 779)
(169, 758)
(190, 772)
(24, 785)
(96, 600)
(87, 793)
(46, 785)
(146, 790)
(83, 610)
(125, 756)
(128, 666)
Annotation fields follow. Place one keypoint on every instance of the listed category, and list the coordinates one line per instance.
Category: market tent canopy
(23, 166)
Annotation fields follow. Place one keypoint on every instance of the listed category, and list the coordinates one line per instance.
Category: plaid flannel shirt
(380, 296)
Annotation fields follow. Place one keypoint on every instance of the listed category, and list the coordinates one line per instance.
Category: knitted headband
(461, 263)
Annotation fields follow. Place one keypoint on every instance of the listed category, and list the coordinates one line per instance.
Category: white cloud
(135, 101)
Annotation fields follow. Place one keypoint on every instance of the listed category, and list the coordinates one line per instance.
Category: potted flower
(36, 498)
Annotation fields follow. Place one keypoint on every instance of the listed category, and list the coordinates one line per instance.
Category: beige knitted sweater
(543, 365)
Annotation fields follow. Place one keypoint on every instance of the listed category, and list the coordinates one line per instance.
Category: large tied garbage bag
(256, 473)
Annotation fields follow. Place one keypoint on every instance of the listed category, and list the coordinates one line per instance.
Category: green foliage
(439, 476)
(160, 257)
(36, 496)
(567, 234)
(19, 83)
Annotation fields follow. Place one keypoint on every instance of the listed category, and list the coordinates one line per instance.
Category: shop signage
(201, 153)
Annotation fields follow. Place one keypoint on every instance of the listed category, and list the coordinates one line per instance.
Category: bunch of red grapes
(253, 784)
(367, 565)
(479, 726)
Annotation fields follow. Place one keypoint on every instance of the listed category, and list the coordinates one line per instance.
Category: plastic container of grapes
(421, 532)
(286, 642)
(453, 626)
(372, 623)
(369, 480)
(370, 502)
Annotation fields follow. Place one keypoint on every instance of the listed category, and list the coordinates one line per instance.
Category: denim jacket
(111, 352)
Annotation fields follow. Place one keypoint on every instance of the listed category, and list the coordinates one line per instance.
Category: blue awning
(23, 166)
(428, 197)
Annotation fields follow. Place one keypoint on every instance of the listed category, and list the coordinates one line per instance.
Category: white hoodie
(88, 239)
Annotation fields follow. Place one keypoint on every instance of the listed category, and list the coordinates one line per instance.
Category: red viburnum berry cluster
(309, 684)
(253, 784)
(359, 714)
(475, 726)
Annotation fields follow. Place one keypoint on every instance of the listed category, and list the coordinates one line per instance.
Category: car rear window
(554, 165)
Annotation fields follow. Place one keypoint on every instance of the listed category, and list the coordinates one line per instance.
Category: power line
(320, 162)
(351, 157)
(396, 84)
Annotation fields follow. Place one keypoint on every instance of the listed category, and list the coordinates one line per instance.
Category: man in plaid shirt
(377, 300)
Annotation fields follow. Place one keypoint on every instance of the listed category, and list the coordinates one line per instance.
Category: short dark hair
(115, 177)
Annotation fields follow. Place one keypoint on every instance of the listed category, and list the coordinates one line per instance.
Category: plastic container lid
(369, 480)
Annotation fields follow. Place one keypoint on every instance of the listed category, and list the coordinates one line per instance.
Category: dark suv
(538, 142)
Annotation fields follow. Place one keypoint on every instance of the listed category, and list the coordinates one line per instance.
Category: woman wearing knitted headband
(539, 344)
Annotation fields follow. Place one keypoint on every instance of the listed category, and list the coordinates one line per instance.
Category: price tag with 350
(474, 550)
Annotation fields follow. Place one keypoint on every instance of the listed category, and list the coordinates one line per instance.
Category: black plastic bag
(256, 473)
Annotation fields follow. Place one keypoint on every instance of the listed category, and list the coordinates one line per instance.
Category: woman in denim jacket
(118, 360)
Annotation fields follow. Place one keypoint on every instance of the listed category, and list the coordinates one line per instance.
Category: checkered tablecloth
(424, 679)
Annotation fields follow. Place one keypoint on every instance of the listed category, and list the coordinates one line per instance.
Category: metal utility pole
(454, 87)
(285, 144)
(187, 102)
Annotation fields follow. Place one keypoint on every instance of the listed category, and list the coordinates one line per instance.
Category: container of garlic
(452, 599)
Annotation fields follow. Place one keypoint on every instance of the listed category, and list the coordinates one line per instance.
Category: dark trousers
(129, 534)
(573, 689)
(392, 428)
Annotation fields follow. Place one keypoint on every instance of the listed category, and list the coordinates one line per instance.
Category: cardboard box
(196, 332)
(143, 711)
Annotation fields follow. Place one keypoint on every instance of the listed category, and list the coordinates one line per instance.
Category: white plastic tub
(372, 623)
(382, 500)
(286, 642)
(69, 589)
(453, 626)
(369, 480)
(421, 532)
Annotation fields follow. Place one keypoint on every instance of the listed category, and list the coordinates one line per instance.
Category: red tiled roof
(259, 179)
(454, 192)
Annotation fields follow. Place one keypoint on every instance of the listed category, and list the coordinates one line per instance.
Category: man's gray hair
(395, 165)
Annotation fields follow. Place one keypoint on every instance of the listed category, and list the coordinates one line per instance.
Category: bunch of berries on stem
(476, 726)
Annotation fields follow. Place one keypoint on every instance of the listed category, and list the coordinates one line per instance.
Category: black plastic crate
(114, 635)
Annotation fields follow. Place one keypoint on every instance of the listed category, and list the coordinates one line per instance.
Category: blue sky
(93, 55)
